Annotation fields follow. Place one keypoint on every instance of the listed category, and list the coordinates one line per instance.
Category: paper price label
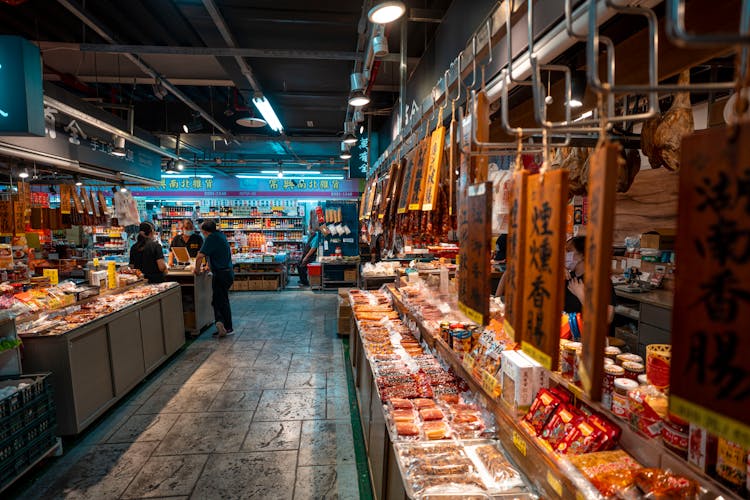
(112, 275)
(520, 442)
(52, 275)
(489, 384)
(555, 483)
(469, 362)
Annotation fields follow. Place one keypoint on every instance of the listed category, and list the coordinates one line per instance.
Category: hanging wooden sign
(102, 203)
(6, 217)
(377, 197)
(388, 186)
(95, 204)
(514, 279)
(86, 201)
(710, 373)
(406, 184)
(544, 256)
(76, 200)
(453, 163)
(64, 199)
(432, 179)
(418, 177)
(363, 201)
(24, 196)
(597, 264)
(475, 231)
(398, 183)
(481, 113)
(19, 219)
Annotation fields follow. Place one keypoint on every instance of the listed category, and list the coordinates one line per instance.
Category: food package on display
(731, 464)
(540, 379)
(518, 381)
(647, 408)
(608, 471)
(541, 410)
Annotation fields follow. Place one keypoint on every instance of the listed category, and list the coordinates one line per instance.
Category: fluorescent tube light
(187, 176)
(287, 172)
(261, 176)
(587, 114)
(268, 114)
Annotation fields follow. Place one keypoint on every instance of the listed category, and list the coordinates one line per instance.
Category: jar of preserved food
(611, 372)
(620, 396)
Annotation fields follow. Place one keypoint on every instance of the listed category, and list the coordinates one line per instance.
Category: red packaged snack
(584, 438)
(449, 398)
(562, 422)
(401, 404)
(407, 429)
(542, 409)
(431, 414)
(657, 483)
(610, 432)
(420, 403)
(466, 417)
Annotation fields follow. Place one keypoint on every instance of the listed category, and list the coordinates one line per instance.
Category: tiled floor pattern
(263, 414)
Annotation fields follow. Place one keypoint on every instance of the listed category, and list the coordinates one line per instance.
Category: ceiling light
(251, 121)
(361, 129)
(357, 82)
(386, 12)
(587, 114)
(194, 126)
(269, 177)
(306, 172)
(180, 165)
(345, 154)
(77, 180)
(350, 139)
(24, 174)
(119, 149)
(123, 189)
(577, 89)
(380, 46)
(280, 174)
(189, 176)
(262, 104)
(359, 99)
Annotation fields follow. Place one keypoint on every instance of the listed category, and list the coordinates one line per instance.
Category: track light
(357, 81)
(180, 165)
(577, 89)
(77, 180)
(123, 189)
(195, 125)
(119, 149)
(359, 99)
(24, 174)
(386, 12)
(349, 137)
(345, 154)
(380, 46)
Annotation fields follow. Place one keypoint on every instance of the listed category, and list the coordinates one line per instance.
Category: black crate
(15, 443)
(38, 384)
(10, 469)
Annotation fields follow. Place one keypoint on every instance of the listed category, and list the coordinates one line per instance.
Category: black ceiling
(309, 95)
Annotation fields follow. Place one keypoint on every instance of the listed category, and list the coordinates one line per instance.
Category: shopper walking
(216, 249)
(147, 256)
(308, 253)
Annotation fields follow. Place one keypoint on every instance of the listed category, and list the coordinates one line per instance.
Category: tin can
(611, 352)
(611, 372)
(622, 358)
(445, 331)
(461, 341)
(674, 435)
(633, 369)
(568, 359)
(475, 333)
(620, 406)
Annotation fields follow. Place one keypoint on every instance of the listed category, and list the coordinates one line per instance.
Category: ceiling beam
(87, 19)
(426, 16)
(192, 82)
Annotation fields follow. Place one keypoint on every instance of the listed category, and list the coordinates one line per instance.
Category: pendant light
(345, 154)
(359, 99)
(386, 12)
(577, 89)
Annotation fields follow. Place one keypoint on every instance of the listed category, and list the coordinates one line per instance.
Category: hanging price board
(544, 252)
(515, 273)
(76, 200)
(95, 204)
(52, 275)
(418, 176)
(406, 183)
(437, 141)
(65, 199)
(710, 373)
(102, 202)
(602, 196)
(475, 224)
(87, 201)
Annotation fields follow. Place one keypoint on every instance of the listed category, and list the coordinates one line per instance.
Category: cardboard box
(350, 275)
(314, 280)
(518, 381)
(345, 326)
(540, 378)
(661, 239)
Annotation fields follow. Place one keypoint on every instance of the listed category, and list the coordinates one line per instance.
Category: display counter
(95, 363)
(196, 299)
(552, 474)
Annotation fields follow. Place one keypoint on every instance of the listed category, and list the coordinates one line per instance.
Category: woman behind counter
(147, 256)
(189, 239)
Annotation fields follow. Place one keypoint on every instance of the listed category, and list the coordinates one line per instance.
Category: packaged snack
(609, 471)
(584, 438)
(436, 429)
(440, 464)
(449, 398)
(498, 466)
(518, 381)
(434, 413)
(611, 432)
(731, 464)
(408, 429)
(643, 416)
(658, 483)
(620, 396)
(702, 449)
(403, 416)
(468, 481)
(542, 409)
(400, 404)
(420, 403)
(562, 422)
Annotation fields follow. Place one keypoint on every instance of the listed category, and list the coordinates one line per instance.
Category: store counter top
(658, 298)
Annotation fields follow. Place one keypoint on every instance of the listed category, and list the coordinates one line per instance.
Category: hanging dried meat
(627, 169)
(661, 136)
(576, 162)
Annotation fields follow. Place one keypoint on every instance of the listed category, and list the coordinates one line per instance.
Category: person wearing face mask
(189, 239)
(147, 255)
(574, 287)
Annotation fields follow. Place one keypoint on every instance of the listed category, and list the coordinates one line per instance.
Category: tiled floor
(263, 414)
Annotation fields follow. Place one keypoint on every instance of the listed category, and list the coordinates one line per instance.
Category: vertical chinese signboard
(474, 235)
(403, 202)
(546, 198)
(516, 244)
(418, 176)
(437, 141)
(710, 373)
(602, 193)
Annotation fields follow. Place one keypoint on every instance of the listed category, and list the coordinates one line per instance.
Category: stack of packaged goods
(439, 428)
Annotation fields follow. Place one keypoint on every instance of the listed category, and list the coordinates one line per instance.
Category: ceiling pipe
(98, 28)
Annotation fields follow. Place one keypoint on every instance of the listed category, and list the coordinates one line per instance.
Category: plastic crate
(16, 442)
(38, 384)
(10, 469)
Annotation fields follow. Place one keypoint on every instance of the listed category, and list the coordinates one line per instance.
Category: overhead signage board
(21, 99)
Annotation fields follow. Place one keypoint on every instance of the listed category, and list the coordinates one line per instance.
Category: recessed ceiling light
(310, 123)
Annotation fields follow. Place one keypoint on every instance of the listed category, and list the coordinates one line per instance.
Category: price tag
(579, 496)
(114, 234)
(111, 275)
(555, 483)
(577, 391)
(489, 384)
(469, 362)
(52, 275)
(520, 442)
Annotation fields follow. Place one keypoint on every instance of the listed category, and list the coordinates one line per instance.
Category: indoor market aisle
(262, 414)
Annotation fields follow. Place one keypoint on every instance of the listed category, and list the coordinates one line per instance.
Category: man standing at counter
(216, 249)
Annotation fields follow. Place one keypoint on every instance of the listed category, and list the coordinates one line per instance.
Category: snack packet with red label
(542, 409)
